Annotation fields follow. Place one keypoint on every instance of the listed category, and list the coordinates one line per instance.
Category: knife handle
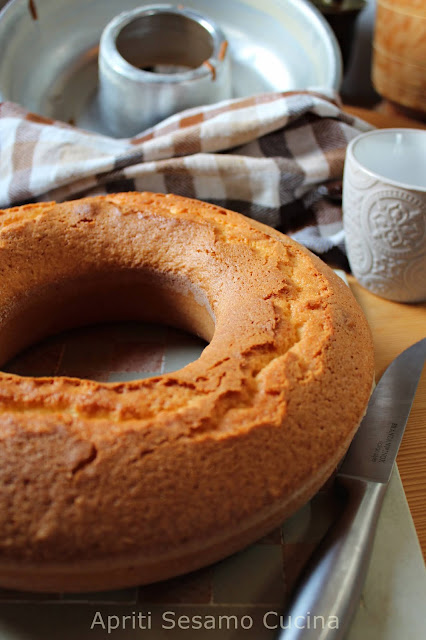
(333, 579)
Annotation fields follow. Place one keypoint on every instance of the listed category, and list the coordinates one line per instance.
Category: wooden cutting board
(395, 326)
(385, 117)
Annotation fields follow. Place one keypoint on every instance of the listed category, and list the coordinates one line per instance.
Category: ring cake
(104, 485)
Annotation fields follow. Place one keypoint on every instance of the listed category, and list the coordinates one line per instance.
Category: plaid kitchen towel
(276, 157)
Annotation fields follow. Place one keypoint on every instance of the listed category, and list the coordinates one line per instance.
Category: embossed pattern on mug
(385, 232)
(395, 220)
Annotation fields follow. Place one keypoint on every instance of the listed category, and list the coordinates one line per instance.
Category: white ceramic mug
(384, 212)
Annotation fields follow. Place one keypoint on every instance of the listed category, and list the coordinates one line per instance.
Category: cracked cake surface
(112, 484)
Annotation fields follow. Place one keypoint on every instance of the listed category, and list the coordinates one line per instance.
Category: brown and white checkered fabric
(272, 157)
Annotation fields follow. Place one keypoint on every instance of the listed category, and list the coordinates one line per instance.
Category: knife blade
(331, 584)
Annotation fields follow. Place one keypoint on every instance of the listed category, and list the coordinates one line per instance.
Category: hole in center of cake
(107, 326)
(116, 352)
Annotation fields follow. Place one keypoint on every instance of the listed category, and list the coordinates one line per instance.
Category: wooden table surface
(396, 326)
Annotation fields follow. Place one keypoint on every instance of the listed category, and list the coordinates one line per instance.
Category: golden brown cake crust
(110, 484)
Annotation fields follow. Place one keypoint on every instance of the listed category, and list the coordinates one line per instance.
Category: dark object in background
(341, 15)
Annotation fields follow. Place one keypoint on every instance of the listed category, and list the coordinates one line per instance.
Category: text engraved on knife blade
(381, 451)
(376, 443)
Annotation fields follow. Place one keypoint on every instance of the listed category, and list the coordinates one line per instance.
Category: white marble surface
(393, 605)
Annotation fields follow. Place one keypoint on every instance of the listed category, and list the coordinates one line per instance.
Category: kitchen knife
(334, 577)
